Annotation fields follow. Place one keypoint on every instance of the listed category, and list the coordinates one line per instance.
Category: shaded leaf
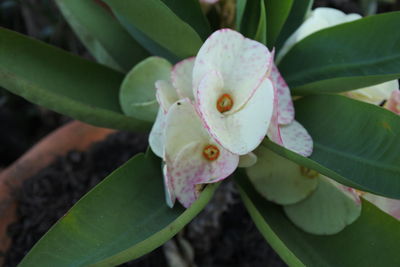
(277, 13)
(60, 81)
(345, 57)
(122, 218)
(374, 233)
(102, 35)
(261, 33)
(159, 23)
(355, 143)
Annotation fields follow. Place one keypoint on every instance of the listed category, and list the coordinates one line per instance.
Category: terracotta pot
(72, 136)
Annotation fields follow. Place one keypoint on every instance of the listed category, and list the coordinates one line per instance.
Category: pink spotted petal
(242, 63)
(181, 77)
(274, 133)
(389, 205)
(286, 109)
(296, 138)
(242, 131)
(393, 104)
(166, 94)
(191, 169)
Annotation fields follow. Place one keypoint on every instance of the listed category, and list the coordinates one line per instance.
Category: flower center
(211, 152)
(224, 103)
(308, 172)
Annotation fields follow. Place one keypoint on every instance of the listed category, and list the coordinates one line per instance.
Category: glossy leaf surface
(355, 143)
(102, 34)
(345, 57)
(63, 82)
(374, 233)
(158, 22)
(122, 218)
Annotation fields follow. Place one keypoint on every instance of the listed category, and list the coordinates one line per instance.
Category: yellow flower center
(211, 152)
(224, 103)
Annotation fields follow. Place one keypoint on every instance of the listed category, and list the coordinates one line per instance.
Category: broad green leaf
(122, 218)
(240, 8)
(327, 211)
(138, 92)
(372, 240)
(190, 12)
(102, 35)
(60, 81)
(277, 13)
(297, 15)
(261, 34)
(345, 57)
(150, 45)
(158, 22)
(280, 180)
(355, 143)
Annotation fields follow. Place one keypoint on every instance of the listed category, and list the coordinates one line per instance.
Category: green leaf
(102, 35)
(355, 143)
(345, 57)
(296, 17)
(60, 81)
(158, 22)
(277, 13)
(122, 218)
(190, 11)
(138, 93)
(327, 211)
(261, 33)
(374, 233)
(284, 183)
(251, 18)
(240, 8)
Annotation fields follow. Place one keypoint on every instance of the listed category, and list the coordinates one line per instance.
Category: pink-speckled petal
(191, 169)
(166, 94)
(183, 126)
(243, 64)
(181, 77)
(156, 137)
(242, 131)
(274, 133)
(393, 104)
(296, 138)
(285, 103)
(389, 205)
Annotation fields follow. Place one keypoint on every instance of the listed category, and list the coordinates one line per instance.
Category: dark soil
(222, 235)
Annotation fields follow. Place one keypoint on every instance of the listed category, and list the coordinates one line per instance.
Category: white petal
(166, 94)
(393, 104)
(156, 137)
(191, 169)
(181, 77)
(242, 131)
(242, 62)
(285, 103)
(296, 138)
(388, 205)
(320, 18)
(168, 186)
(375, 94)
(183, 127)
(274, 133)
(247, 160)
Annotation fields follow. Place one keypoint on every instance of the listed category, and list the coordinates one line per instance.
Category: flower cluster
(216, 109)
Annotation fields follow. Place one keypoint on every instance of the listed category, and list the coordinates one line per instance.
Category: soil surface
(222, 235)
